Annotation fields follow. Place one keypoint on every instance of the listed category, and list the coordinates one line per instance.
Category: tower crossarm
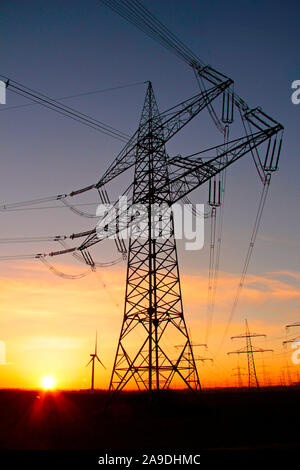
(203, 359)
(253, 350)
(187, 173)
(169, 122)
(292, 325)
(251, 335)
(287, 341)
(184, 173)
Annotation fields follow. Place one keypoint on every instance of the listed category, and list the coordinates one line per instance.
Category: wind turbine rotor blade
(89, 362)
(101, 362)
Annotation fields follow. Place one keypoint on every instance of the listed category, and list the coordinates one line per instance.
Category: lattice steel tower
(153, 302)
(250, 350)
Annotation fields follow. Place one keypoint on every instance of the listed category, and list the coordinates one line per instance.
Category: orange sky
(48, 324)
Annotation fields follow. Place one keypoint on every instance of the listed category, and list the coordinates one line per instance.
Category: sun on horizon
(48, 382)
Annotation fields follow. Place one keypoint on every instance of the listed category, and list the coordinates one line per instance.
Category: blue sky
(63, 48)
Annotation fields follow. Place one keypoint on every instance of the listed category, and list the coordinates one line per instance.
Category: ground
(207, 422)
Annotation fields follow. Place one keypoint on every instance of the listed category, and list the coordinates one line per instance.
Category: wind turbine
(93, 357)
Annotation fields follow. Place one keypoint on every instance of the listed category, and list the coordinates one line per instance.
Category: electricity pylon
(203, 359)
(250, 350)
(266, 377)
(238, 375)
(92, 360)
(153, 311)
(153, 303)
(285, 343)
(192, 377)
(296, 338)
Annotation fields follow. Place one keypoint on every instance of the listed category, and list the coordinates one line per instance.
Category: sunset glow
(45, 345)
(48, 382)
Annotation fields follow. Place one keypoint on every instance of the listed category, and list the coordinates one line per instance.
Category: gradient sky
(68, 47)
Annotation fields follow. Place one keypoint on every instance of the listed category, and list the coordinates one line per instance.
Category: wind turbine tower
(92, 360)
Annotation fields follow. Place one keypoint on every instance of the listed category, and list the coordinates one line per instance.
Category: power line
(216, 225)
(77, 95)
(32, 239)
(64, 110)
(59, 273)
(261, 206)
(96, 264)
(24, 204)
(67, 206)
(143, 19)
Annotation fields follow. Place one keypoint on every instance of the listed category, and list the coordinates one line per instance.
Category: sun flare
(48, 382)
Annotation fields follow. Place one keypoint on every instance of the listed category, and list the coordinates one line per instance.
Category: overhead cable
(77, 95)
(67, 111)
(261, 206)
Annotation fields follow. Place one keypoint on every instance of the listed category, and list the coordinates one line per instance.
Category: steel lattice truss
(153, 303)
(250, 350)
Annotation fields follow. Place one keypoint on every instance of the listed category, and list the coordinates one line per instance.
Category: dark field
(213, 421)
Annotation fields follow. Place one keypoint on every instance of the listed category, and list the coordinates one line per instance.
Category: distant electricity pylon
(285, 343)
(291, 325)
(266, 377)
(92, 360)
(250, 350)
(192, 372)
(239, 375)
(203, 359)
